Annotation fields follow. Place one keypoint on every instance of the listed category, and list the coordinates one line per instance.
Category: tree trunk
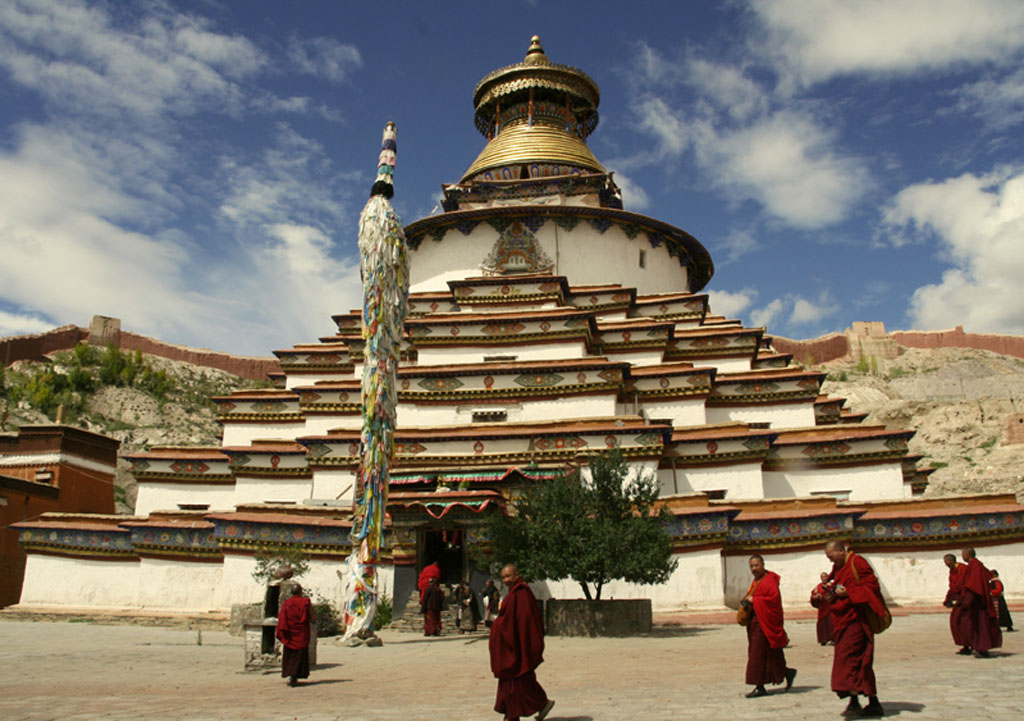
(586, 590)
(599, 587)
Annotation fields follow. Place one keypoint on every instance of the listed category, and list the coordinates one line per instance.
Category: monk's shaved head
(969, 553)
(836, 551)
(509, 574)
(835, 546)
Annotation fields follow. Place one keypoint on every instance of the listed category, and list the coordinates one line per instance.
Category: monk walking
(954, 602)
(766, 637)
(517, 649)
(854, 594)
(430, 607)
(980, 616)
(293, 632)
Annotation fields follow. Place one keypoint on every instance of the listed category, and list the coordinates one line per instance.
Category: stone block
(613, 617)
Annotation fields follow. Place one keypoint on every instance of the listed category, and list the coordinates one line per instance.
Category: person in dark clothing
(433, 600)
(293, 632)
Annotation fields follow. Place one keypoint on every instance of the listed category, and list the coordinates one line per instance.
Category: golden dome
(535, 112)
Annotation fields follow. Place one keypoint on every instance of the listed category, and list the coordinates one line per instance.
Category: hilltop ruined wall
(35, 347)
(871, 339)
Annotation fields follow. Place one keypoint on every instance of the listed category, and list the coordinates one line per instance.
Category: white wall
(522, 411)
(243, 434)
(294, 380)
(799, 571)
(682, 411)
(335, 484)
(319, 425)
(794, 415)
(178, 585)
(884, 480)
(582, 254)
(742, 480)
(157, 496)
(62, 581)
(262, 490)
(695, 584)
(454, 355)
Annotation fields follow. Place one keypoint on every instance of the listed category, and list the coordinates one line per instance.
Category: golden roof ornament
(535, 113)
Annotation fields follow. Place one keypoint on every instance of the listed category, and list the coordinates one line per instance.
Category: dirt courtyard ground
(85, 671)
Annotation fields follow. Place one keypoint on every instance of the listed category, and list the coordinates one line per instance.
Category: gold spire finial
(535, 55)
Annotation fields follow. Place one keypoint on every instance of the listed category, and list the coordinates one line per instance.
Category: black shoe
(872, 710)
(965, 651)
(852, 708)
(790, 675)
(758, 692)
(981, 654)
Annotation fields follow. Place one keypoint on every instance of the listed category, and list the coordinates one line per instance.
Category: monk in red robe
(517, 649)
(432, 570)
(430, 607)
(766, 637)
(819, 599)
(954, 602)
(854, 593)
(980, 616)
(293, 632)
(996, 587)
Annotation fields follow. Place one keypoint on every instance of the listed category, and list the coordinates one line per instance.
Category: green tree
(592, 531)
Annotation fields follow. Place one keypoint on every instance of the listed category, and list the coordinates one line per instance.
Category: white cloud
(735, 244)
(633, 196)
(670, 129)
(998, 100)
(766, 315)
(978, 222)
(786, 162)
(820, 39)
(324, 57)
(20, 324)
(730, 304)
(740, 96)
(807, 312)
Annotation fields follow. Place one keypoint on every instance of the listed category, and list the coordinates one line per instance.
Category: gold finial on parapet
(535, 55)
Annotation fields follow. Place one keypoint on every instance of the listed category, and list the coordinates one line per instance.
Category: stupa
(547, 324)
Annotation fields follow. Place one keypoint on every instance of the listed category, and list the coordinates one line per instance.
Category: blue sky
(197, 168)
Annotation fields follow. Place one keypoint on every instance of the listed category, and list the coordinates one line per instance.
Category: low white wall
(799, 573)
(437, 356)
(62, 581)
(263, 490)
(796, 415)
(695, 584)
(682, 412)
(155, 496)
(863, 483)
(319, 425)
(178, 585)
(243, 434)
(739, 481)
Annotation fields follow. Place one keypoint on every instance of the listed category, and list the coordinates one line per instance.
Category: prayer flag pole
(384, 266)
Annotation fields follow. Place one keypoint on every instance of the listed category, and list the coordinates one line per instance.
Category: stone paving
(86, 671)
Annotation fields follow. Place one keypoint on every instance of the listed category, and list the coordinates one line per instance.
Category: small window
(490, 416)
(759, 426)
(500, 358)
(643, 258)
(194, 506)
(717, 494)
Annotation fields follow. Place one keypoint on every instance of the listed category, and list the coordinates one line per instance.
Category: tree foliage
(590, 530)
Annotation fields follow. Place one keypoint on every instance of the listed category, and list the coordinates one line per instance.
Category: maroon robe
(517, 649)
(293, 633)
(954, 600)
(980, 616)
(853, 661)
(766, 637)
(433, 601)
(819, 599)
(423, 580)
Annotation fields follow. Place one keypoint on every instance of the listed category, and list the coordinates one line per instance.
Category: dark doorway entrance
(444, 545)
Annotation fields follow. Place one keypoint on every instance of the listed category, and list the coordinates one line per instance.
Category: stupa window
(490, 416)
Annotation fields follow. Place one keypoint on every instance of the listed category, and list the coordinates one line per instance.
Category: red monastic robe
(819, 599)
(517, 649)
(766, 637)
(954, 599)
(853, 663)
(293, 622)
(428, 572)
(980, 615)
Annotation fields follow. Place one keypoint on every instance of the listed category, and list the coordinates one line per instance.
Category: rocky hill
(965, 405)
(141, 400)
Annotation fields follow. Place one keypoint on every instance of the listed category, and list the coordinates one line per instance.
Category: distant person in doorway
(468, 616)
(954, 602)
(430, 606)
(293, 624)
(517, 649)
(766, 636)
(492, 601)
(997, 593)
